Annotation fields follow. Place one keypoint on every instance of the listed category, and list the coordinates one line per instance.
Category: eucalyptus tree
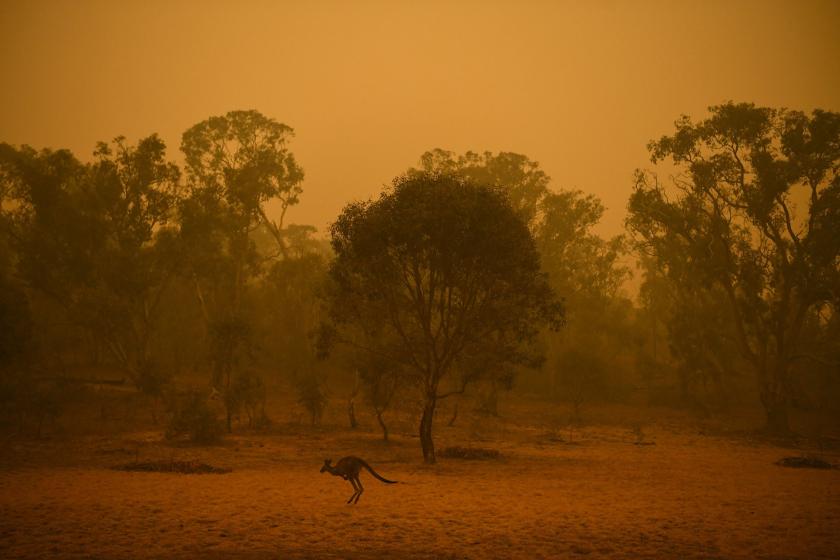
(521, 178)
(237, 164)
(449, 270)
(95, 240)
(755, 212)
(582, 267)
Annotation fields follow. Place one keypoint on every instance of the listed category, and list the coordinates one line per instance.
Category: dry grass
(689, 496)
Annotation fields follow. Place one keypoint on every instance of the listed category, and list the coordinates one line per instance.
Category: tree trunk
(351, 402)
(776, 411)
(576, 411)
(382, 425)
(228, 396)
(774, 397)
(777, 418)
(490, 401)
(426, 421)
(454, 416)
(351, 414)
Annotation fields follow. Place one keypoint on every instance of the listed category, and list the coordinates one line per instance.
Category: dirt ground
(690, 494)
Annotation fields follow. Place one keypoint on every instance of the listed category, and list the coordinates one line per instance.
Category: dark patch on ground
(182, 467)
(469, 453)
(805, 463)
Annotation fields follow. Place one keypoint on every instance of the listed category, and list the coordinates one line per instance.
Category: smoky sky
(368, 86)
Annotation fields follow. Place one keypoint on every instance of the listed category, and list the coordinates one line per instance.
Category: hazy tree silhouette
(587, 271)
(582, 267)
(235, 163)
(451, 270)
(731, 221)
(700, 336)
(381, 379)
(521, 178)
(96, 241)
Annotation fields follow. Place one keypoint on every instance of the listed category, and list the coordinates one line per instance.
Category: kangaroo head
(327, 465)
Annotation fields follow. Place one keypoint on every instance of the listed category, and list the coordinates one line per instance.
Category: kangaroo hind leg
(361, 489)
(355, 490)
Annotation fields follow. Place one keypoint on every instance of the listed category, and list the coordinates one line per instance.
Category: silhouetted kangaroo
(349, 468)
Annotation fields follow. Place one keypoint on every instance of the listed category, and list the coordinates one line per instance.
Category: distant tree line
(468, 275)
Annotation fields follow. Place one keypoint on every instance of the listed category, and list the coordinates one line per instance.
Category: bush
(152, 379)
(193, 417)
(311, 396)
(247, 391)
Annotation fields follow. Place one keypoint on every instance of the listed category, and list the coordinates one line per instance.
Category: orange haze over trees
(369, 86)
(567, 271)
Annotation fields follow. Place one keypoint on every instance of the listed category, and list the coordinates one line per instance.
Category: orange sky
(368, 86)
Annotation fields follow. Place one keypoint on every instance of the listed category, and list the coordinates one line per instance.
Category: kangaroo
(349, 468)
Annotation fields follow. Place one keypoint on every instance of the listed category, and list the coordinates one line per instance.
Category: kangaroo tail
(375, 474)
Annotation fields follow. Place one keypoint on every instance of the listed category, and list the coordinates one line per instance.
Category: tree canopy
(451, 271)
(754, 212)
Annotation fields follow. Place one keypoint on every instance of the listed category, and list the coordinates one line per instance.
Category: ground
(589, 492)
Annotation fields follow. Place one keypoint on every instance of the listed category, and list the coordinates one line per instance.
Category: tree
(755, 212)
(586, 269)
(451, 271)
(700, 338)
(579, 261)
(236, 164)
(241, 158)
(581, 266)
(521, 178)
(381, 382)
(95, 240)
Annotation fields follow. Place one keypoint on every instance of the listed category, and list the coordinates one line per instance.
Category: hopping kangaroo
(349, 468)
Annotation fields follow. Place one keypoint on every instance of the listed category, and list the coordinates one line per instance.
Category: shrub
(311, 396)
(193, 417)
(247, 391)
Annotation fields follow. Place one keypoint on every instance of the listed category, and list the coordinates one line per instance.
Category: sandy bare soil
(600, 496)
